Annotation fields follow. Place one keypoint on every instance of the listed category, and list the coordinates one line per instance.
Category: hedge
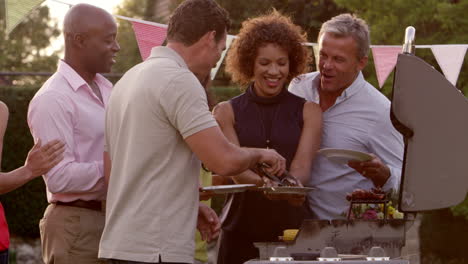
(443, 234)
(23, 207)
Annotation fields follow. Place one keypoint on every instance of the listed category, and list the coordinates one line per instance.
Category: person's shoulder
(185, 81)
(224, 113)
(3, 110)
(239, 97)
(303, 85)
(295, 97)
(48, 96)
(56, 84)
(3, 107)
(222, 108)
(375, 97)
(304, 78)
(312, 109)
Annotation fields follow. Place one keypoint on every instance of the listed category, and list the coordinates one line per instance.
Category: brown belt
(92, 205)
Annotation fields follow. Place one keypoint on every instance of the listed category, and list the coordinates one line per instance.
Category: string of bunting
(449, 57)
(150, 34)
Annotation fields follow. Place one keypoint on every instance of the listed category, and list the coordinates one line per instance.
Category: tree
(436, 22)
(25, 49)
(129, 54)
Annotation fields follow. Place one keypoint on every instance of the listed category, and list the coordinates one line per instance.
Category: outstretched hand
(43, 158)
(208, 223)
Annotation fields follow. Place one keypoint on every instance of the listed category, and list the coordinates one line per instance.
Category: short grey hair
(345, 25)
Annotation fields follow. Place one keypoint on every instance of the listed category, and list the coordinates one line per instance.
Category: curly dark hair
(194, 18)
(256, 32)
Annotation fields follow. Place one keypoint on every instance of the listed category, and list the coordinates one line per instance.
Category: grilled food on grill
(371, 195)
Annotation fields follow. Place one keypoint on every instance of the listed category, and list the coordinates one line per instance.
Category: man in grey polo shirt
(158, 128)
(355, 116)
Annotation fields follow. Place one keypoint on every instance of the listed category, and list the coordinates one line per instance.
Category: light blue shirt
(359, 120)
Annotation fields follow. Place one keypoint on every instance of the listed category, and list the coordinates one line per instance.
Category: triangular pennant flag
(218, 64)
(385, 59)
(450, 59)
(315, 47)
(148, 36)
(17, 10)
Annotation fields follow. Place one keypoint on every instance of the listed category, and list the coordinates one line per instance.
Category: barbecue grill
(431, 114)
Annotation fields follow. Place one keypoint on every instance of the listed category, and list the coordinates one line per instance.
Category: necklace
(266, 122)
(267, 109)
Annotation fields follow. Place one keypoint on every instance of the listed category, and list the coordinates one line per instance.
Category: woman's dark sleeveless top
(258, 120)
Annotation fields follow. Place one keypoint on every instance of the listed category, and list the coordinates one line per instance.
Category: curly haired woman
(267, 54)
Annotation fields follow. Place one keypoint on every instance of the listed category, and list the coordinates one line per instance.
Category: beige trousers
(71, 235)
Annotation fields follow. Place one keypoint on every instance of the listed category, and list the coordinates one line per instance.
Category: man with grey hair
(355, 116)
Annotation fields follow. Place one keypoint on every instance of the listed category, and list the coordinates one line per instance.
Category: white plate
(233, 188)
(286, 189)
(343, 156)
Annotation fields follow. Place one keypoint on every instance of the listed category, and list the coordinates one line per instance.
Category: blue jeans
(4, 257)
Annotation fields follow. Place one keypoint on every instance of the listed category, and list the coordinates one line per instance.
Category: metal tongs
(286, 178)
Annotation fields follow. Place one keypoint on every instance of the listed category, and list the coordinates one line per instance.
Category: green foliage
(23, 207)
(436, 22)
(443, 238)
(461, 209)
(309, 14)
(129, 54)
(224, 93)
(24, 50)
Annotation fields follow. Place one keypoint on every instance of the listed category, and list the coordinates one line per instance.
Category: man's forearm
(240, 160)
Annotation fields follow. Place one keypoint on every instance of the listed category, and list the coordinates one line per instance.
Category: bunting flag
(229, 40)
(315, 47)
(385, 58)
(148, 36)
(450, 59)
(17, 10)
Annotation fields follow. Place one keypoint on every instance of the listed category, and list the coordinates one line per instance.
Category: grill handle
(408, 46)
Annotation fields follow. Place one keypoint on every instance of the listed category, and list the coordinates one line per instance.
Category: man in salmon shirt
(70, 107)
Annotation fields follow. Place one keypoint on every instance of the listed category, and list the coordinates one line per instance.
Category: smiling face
(90, 39)
(271, 69)
(101, 46)
(339, 64)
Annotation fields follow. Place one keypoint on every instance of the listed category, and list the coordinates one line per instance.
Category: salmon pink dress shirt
(67, 109)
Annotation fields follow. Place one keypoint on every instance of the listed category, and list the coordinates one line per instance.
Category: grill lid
(432, 115)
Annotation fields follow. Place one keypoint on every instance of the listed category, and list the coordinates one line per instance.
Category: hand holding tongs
(286, 178)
